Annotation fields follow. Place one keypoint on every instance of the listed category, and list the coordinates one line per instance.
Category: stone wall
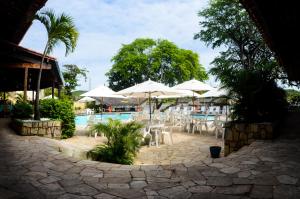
(48, 128)
(238, 135)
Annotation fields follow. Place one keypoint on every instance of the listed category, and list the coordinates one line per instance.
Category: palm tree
(59, 29)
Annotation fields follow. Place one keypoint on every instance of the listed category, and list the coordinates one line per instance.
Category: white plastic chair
(167, 131)
(218, 124)
(199, 123)
(146, 132)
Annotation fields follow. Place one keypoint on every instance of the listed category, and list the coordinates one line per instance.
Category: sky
(104, 25)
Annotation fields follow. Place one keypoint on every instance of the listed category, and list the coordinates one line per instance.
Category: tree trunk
(37, 115)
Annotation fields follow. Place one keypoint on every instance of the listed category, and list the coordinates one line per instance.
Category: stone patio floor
(31, 167)
(186, 148)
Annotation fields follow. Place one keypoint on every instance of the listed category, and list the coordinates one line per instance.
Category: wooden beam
(25, 83)
(26, 65)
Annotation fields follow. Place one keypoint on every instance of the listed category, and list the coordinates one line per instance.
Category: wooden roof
(16, 17)
(13, 61)
(278, 21)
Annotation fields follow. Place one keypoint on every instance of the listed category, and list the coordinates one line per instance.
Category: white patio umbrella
(148, 89)
(193, 85)
(86, 99)
(102, 92)
(181, 94)
(215, 92)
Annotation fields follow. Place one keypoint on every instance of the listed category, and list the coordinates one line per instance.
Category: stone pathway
(31, 167)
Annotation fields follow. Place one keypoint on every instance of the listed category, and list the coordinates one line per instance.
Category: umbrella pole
(150, 105)
(193, 102)
(101, 106)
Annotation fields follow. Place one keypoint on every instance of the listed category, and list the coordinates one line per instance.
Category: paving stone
(242, 181)
(213, 173)
(219, 181)
(127, 193)
(137, 174)
(230, 170)
(71, 182)
(200, 189)
(81, 189)
(49, 179)
(286, 192)
(234, 190)
(72, 196)
(218, 165)
(265, 180)
(175, 192)
(244, 174)
(285, 179)
(261, 192)
(117, 186)
(137, 184)
(104, 196)
(51, 189)
(8, 194)
(91, 172)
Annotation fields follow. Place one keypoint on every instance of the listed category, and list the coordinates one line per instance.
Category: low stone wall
(48, 128)
(238, 135)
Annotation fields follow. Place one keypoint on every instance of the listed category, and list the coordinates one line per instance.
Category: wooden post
(25, 83)
(52, 90)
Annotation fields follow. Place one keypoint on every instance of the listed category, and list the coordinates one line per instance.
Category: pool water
(81, 120)
(202, 116)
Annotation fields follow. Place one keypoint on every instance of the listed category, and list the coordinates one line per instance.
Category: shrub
(22, 110)
(256, 98)
(123, 142)
(61, 109)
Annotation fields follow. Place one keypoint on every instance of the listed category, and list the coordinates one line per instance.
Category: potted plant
(215, 151)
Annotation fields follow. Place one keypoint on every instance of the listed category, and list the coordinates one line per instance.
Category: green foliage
(71, 74)
(123, 142)
(293, 97)
(59, 28)
(159, 60)
(227, 24)
(61, 110)
(22, 110)
(247, 67)
(255, 98)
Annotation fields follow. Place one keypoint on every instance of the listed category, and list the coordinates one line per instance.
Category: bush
(22, 110)
(61, 109)
(123, 142)
(256, 98)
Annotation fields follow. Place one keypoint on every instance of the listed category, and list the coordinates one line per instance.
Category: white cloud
(105, 25)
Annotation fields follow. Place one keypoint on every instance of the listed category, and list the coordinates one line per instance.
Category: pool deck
(32, 167)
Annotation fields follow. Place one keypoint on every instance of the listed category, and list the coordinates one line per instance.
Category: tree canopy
(159, 60)
(71, 74)
(227, 24)
(246, 66)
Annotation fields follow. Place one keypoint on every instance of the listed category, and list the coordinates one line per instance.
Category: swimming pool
(81, 120)
(202, 116)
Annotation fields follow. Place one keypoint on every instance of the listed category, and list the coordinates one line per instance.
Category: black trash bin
(215, 151)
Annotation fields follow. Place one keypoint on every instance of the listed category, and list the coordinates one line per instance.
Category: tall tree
(159, 60)
(247, 67)
(227, 24)
(71, 74)
(59, 29)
